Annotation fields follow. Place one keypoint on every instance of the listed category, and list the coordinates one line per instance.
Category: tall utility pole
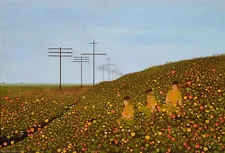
(109, 68)
(120, 73)
(103, 68)
(113, 72)
(60, 59)
(93, 54)
(81, 59)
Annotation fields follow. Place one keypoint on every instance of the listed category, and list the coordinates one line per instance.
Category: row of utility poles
(82, 59)
(106, 67)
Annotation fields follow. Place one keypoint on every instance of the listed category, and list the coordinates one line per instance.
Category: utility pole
(120, 73)
(81, 59)
(60, 59)
(109, 68)
(113, 72)
(103, 68)
(93, 54)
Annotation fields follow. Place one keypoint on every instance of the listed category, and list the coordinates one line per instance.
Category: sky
(135, 35)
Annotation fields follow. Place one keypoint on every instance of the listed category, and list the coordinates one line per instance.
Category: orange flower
(194, 125)
(32, 129)
(113, 111)
(197, 146)
(190, 97)
(6, 98)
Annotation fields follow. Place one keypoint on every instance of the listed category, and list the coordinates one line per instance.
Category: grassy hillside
(91, 125)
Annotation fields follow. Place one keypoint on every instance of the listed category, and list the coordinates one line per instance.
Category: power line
(109, 68)
(81, 59)
(103, 68)
(93, 54)
(60, 57)
(120, 73)
(116, 72)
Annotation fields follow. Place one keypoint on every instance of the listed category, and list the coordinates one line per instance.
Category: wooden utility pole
(60, 59)
(103, 68)
(81, 59)
(120, 73)
(108, 65)
(113, 72)
(93, 54)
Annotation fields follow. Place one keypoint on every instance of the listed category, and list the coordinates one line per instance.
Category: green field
(84, 120)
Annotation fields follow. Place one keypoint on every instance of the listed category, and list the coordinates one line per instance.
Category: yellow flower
(207, 121)
(159, 133)
(70, 145)
(147, 137)
(205, 149)
(132, 134)
(188, 130)
(219, 90)
(59, 150)
(163, 109)
(46, 121)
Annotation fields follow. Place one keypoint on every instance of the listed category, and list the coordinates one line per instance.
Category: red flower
(189, 82)
(213, 70)
(216, 124)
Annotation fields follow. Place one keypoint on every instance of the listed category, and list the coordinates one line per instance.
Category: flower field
(59, 123)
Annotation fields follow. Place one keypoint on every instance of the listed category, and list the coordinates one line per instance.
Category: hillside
(91, 125)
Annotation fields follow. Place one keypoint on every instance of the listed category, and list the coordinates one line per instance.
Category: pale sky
(135, 34)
